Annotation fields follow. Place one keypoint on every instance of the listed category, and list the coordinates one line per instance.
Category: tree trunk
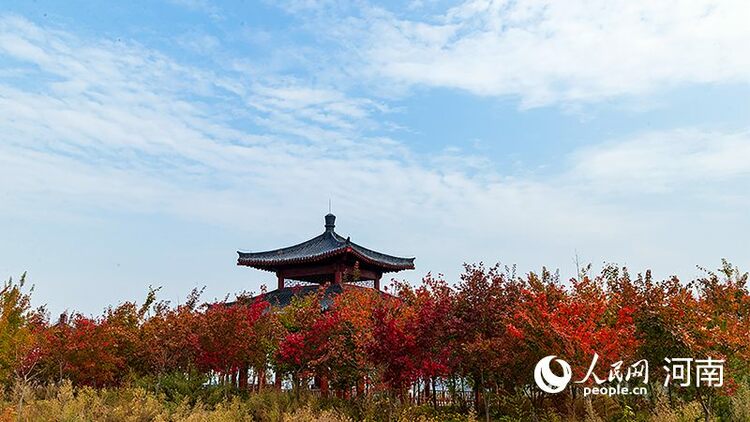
(323, 380)
(434, 394)
(243, 377)
(360, 387)
(705, 401)
(261, 378)
(486, 402)
(477, 387)
(277, 380)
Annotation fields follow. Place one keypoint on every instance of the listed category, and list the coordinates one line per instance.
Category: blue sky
(143, 143)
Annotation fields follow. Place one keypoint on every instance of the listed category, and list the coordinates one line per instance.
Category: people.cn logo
(547, 380)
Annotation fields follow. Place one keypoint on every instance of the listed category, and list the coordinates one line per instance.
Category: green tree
(19, 348)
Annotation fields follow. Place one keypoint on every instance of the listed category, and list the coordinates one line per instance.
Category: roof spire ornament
(330, 222)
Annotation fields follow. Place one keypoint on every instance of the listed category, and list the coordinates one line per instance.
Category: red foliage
(411, 337)
(490, 329)
(84, 351)
(228, 336)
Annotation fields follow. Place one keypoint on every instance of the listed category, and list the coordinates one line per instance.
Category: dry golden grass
(64, 403)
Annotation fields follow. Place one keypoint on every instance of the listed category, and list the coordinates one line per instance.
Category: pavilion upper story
(326, 258)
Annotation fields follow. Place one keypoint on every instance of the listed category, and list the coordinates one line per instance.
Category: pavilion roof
(321, 247)
(281, 298)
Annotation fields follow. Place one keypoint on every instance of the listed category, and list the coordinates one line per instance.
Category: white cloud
(548, 52)
(115, 126)
(205, 6)
(91, 124)
(302, 108)
(665, 161)
(198, 42)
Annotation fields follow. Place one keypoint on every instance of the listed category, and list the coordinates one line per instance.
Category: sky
(143, 143)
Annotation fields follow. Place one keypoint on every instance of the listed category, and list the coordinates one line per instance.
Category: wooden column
(376, 282)
(337, 276)
(280, 278)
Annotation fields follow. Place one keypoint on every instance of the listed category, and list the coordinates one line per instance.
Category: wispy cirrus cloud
(133, 131)
(204, 6)
(96, 124)
(119, 113)
(547, 52)
(116, 124)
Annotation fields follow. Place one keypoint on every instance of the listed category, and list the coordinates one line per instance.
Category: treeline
(472, 344)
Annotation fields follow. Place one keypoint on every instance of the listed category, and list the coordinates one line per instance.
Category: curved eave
(273, 264)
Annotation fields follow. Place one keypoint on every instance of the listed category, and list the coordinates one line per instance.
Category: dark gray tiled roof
(281, 298)
(329, 243)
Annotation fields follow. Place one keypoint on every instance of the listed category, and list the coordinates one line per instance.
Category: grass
(65, 403)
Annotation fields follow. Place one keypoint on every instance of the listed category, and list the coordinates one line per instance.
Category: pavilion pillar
(280, 279)
(337, 277)
(376, 282)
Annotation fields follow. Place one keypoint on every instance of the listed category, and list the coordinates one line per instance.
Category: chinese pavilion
(326, 259)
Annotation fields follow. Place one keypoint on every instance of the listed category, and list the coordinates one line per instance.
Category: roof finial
(330, 222)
